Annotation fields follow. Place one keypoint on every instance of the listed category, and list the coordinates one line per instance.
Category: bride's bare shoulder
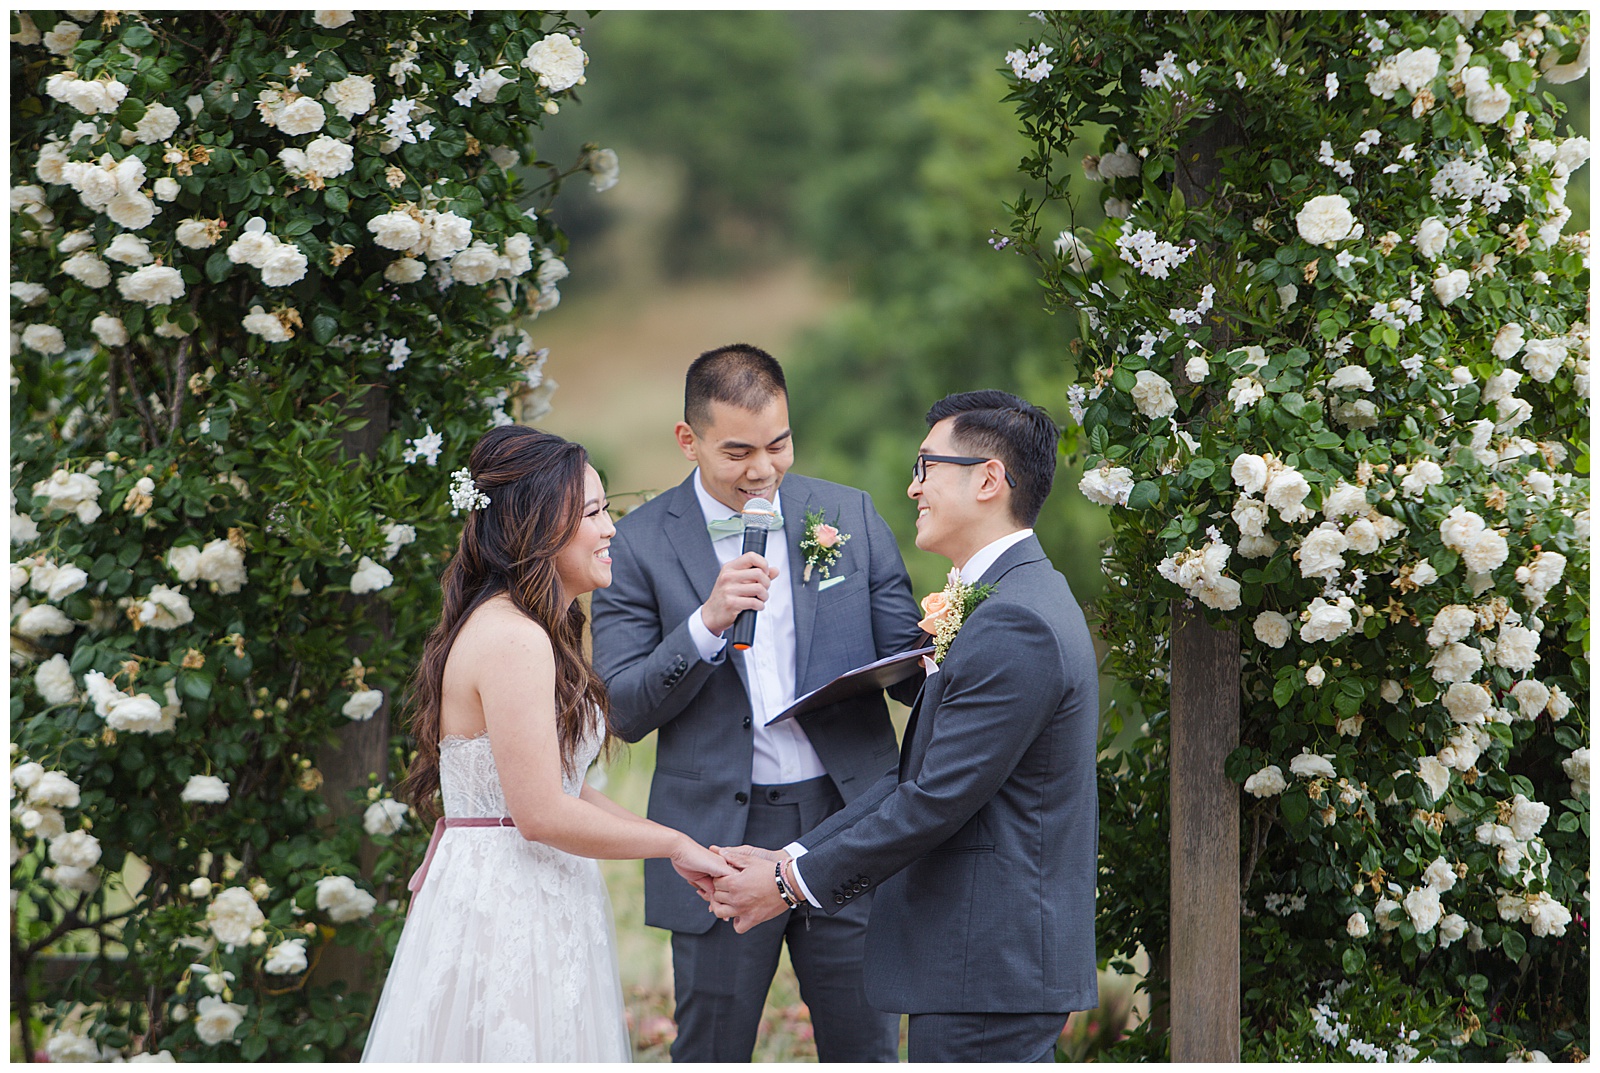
(498, 631)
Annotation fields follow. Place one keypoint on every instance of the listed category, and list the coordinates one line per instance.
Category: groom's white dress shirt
(783, 753)
(974, 569)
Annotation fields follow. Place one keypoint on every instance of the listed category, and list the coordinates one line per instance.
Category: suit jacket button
(838, 899)
(747, 722)
(741, 797)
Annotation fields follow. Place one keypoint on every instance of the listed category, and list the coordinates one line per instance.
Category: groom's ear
(686, 440)
(989, 484)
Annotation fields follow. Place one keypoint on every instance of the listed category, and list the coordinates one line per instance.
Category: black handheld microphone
(759, 517)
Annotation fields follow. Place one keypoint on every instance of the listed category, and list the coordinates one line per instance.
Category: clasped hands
(747, 894)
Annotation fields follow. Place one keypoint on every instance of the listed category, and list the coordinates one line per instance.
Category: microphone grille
(759, 512)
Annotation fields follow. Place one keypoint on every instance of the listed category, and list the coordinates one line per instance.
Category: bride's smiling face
(585, 563)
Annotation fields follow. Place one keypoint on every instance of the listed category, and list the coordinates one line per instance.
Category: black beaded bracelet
(783, 888)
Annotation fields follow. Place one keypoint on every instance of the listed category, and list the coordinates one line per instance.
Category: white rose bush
(1334, 389)
(269, 275)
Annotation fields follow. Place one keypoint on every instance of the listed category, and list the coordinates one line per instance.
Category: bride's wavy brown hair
(535, 484)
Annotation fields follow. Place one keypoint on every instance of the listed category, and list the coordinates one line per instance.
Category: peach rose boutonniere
(821, 544)
(944, 611)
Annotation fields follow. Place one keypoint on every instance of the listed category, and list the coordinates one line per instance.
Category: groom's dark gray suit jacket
(663, 568)
(982, 847)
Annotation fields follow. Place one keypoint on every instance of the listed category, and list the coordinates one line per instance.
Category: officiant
(830, 594)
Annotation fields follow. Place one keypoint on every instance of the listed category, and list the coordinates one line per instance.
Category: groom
(981, 848)
(722, 775)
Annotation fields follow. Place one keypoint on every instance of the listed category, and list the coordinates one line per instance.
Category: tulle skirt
(509, 955)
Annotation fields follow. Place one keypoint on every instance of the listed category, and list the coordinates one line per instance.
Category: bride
(508, 953)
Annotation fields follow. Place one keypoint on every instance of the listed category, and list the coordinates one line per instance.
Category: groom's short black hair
(739, 374)
(997, 424)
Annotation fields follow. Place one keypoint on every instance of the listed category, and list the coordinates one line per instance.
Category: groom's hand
(750, 895)
(741, 585)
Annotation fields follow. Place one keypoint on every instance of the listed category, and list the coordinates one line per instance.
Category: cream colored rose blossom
(558, 61)
(216, 1021)
(1267, 782)
(1325, 219)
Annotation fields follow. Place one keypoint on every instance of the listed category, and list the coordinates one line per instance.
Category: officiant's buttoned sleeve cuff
(708, 644)
(795, 850)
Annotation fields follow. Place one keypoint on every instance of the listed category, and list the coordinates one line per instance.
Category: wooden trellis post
(1203, 947)
(363, 747)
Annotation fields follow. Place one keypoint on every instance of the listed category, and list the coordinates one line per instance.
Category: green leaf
(197, 686)
(218, 267)
(1283, 692)
(237, 666)
(1145, 494)
(1123, 380)
(1278, 171)
(1354, 960)
(1514, 944)
(323, 328)
(130, 112)
(336, 199)
(138, 36)
(1296, 807)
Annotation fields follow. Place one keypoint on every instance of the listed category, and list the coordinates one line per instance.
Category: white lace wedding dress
(509, 953)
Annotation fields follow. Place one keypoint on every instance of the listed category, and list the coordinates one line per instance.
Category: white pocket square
(830, 582)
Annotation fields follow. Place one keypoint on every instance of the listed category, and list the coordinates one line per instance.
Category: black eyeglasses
(919, 468)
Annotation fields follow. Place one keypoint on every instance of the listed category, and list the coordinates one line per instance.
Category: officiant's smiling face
(742, 454)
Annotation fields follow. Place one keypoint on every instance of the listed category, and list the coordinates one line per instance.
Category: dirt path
(620, 360)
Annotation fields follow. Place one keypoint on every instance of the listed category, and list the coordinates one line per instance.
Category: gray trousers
(721, 978)
(983, 1037)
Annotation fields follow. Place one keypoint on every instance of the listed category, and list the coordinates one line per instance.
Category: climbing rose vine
(1334, 388)
(270, 277)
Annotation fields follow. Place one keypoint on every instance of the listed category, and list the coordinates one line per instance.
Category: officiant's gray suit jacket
(662, 570)
(981, 848)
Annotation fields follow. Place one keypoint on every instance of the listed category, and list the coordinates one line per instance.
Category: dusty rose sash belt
(421, 874)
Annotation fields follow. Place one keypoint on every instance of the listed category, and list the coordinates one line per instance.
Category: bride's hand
(730, 852)
(698, 865)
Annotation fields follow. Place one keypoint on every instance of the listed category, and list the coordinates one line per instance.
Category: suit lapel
(1026, 550)
(911, 730)
(913, 747)
(690, 542)
(795, 502)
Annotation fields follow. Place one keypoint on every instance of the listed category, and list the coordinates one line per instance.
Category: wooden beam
(1204, 948)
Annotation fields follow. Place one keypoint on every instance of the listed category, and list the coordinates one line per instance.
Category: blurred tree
(723, 93)
(923, 160)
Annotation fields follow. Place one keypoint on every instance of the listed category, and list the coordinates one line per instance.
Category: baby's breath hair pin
(464, 494)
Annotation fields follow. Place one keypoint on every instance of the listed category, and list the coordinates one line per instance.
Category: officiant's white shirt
(783, 753)
(975, 568)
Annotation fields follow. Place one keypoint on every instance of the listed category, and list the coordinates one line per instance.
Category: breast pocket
(840, 587)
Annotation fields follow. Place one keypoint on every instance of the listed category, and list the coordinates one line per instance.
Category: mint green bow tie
(726, 527)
